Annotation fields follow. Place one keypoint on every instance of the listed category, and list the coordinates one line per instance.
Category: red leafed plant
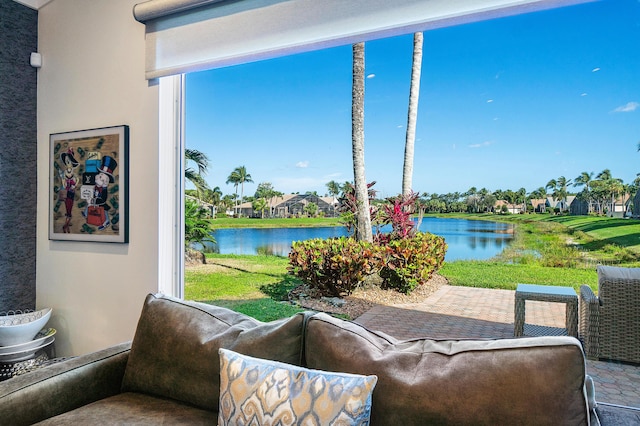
(397, 212)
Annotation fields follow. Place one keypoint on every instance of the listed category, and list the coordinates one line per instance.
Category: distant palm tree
(412, 115)
(238, 177)
(363, 217)
(585, 180)
(260, 204)
(214, 196)
(334, 188)
(559, 188)
(196, 177)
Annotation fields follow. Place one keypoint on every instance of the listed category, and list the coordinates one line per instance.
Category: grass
(294, 222)
(547, 249)
(253, 285)
(508, 276)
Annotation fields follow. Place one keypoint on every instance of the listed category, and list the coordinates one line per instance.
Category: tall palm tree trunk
(363, 217)
(412, 116)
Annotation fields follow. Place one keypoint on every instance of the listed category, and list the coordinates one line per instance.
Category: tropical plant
(196, 176)
(585, 179)
(397, 212)
(265, 190)
(412, 114)
(334, 188)
(260, 205)
(196, 224)
(608, 188)
(409, 262)
(334, 266)
(238, 177)
(311, 209)
(363, 230)
(559, 188)
(348, 205)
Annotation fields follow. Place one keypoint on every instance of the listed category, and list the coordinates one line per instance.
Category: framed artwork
(89, 185)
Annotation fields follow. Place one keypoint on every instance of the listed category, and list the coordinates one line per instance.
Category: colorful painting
(89, 185)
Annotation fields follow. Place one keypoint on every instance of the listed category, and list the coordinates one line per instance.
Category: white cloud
(302, 164)
(480, 145)
(596, 69)
(629, 107)
(583, 94)
(371, 76)
(489, 101)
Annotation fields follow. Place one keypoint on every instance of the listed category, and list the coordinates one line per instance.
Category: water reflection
(467, 239)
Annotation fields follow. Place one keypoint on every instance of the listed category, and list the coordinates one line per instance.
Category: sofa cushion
(174, 353)
(509, 381)
(133, 409)
(263, 392)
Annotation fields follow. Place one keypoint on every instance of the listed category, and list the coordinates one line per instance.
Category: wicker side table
(544, 293)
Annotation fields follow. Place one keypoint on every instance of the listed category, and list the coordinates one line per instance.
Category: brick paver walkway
(465, 312)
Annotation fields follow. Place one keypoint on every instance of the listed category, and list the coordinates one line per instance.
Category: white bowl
(42, 335)
(21, 328)
(24, 354)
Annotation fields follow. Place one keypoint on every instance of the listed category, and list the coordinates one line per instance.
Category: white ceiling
(33, 4)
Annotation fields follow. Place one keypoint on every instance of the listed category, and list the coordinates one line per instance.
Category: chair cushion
(606, 273)
(262, 392)
(133, 409)
(174, 353)
(465, 382)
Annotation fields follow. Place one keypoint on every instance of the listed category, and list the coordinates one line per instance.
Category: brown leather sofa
(170, 373)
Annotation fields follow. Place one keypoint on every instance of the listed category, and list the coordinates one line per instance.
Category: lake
(467, 239)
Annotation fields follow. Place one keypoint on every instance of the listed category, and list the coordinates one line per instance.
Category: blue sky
(504, 104)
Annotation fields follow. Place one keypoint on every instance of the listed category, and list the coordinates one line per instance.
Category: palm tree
(363, 217)
(238, 177)
(606, 186)
(559, 188)
(214, 196)
(265, 190)
(196, 224)
(196, 177)
(412, 116)
(521, 198)
(585, 180)
(234, 178)
(260, 204)
(334, 188)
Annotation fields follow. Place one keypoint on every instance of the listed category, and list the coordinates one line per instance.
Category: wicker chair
(609, 325)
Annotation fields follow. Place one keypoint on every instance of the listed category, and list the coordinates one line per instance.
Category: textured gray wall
(18, 143)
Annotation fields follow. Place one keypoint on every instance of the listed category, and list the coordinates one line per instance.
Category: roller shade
(192, 35)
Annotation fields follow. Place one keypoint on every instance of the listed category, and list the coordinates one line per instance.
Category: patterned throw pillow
(260, 392)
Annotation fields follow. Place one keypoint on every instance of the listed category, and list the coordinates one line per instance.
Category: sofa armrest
(63, 386)
(589, 321)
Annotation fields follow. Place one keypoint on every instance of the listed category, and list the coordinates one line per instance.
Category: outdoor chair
(609, 325)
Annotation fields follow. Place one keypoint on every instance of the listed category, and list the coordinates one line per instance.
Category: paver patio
(466, 312)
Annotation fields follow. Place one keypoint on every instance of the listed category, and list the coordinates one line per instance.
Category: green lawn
(294, 222)
(547, 249)
(508, 276)
(254, 285)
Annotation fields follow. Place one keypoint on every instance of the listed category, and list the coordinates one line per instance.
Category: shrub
(409, 262)
(397, 212)
(334, 266)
